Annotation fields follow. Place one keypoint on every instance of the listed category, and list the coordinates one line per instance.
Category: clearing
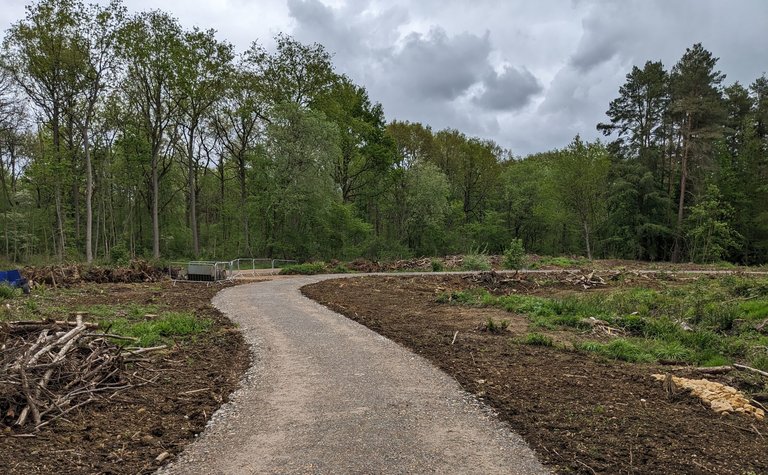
(555, 379)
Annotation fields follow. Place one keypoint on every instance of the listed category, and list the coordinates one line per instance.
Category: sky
(529, 75)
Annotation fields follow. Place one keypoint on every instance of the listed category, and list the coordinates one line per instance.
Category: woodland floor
(125, 434)
(579, 412)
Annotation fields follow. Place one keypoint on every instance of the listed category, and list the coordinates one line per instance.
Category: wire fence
(209, 272)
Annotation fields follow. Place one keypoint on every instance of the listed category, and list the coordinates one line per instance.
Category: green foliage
(695, 324)
(514, 255)
(476, 260)
(309, 268)
(7, 292)
(163, 328)
(437, 265)
(709, 234)
(538, 339)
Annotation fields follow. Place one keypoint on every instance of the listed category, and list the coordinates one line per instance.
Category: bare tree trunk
(88, 196)
(155, 209)
(586, 239)
(676, 251)
(192, 192)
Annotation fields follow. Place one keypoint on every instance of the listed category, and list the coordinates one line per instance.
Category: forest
(126, 135)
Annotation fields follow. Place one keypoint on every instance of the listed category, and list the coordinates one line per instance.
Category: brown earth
(125, 434)
(580, 413)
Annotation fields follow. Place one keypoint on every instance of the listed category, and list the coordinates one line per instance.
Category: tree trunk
(88, 196)
(676, 251)
(586, 240)
(155, 209)
(192, 193)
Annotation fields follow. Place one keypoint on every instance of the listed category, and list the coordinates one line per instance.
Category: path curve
(327, 395)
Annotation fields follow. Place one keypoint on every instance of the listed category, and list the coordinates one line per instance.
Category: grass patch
(708, 322)
(309, 268)
(476, 260)
(538, 339)
(493, 326)
(160, 329)
(562, 262)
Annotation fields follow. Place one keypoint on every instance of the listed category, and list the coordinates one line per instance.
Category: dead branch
(749, 368)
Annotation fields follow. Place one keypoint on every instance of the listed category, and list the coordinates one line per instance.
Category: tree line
(128, 135)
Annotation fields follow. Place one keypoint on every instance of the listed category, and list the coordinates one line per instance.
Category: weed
(152, 332)
(437, 266)
(493, 326)
(476, 260)
(538, 339)
(7, 292)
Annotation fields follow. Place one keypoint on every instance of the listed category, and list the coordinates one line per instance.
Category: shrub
(309, 268)
(476, 259)
(514, 255)
(437, 266)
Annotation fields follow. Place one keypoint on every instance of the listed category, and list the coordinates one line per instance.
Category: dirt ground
(580, 413)
(125, 434)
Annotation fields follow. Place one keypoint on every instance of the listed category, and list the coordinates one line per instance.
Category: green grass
(538, 339)
(309, 268)
(562, 262)
(158, 330)
(708, 322)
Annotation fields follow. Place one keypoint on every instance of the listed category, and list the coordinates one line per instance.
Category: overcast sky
(528, 74)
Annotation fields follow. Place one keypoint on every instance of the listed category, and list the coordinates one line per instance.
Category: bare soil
(125, 434)
(580, 413)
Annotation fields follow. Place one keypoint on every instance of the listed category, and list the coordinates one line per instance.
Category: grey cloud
(512, 89)
(440, 67)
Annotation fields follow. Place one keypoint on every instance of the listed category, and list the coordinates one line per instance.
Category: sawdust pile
(721, 398)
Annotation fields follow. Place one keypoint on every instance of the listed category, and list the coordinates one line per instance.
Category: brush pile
(68, 275)
(51, 368)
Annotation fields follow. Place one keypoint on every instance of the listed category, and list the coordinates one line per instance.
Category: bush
(437, 266)
(475, 261)
(309, 268)
(514, 255)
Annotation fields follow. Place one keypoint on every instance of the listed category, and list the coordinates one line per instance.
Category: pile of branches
(48, 369)
(67, 275)
(586, 281)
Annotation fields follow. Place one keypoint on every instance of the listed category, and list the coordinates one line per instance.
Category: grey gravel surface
(326, 395)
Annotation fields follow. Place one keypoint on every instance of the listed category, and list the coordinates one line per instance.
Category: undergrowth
(158, 329)
(710, 322)
(309, 268)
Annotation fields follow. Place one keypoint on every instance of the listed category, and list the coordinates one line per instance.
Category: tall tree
(98, 32)
(579, 175)
(204, 68)
(698, 109)
(45, 55)
(150, 44)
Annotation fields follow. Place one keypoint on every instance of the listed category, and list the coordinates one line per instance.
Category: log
(749, 368)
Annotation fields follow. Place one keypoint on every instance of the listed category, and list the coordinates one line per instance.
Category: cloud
(436, 66)
(512, 89)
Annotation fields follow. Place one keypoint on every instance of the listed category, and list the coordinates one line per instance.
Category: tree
(45, 55)
(99, 32)
(367, 152)
(296, 72)
(697, 107)
(579, 174)
(204, 68)
(709, 234)
(150, 45)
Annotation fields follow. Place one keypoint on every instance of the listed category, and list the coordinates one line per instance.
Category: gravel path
(327, 395)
